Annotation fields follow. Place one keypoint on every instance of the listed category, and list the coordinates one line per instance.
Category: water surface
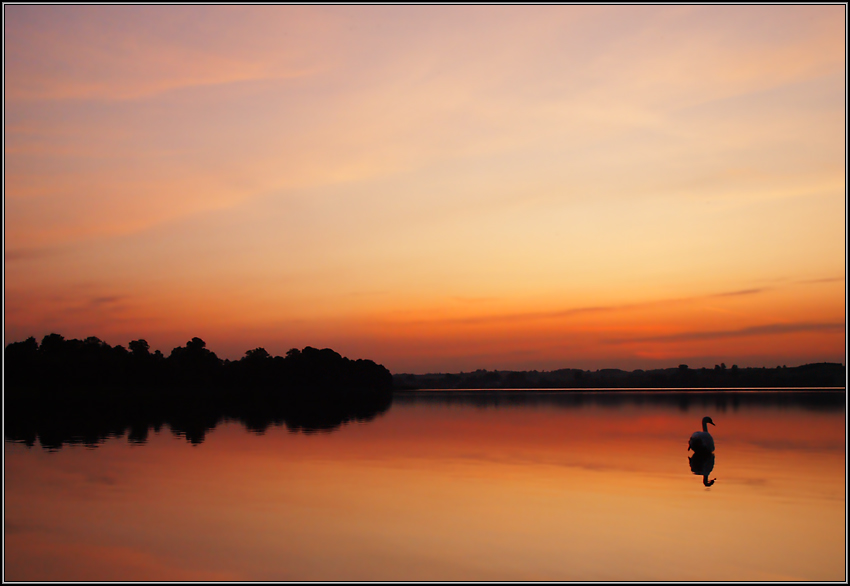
(450, 486)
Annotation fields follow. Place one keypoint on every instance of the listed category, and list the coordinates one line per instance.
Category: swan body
(701, 441)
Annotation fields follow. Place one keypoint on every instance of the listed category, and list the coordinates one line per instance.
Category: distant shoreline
(822, 375)
(625, 389)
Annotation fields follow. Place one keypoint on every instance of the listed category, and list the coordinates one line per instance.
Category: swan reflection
(702, 464)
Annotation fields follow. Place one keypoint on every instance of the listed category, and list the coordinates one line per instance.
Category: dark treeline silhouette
(61, 364)
(83, 391)
(823, 374)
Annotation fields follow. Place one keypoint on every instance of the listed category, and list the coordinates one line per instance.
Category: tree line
(59, 363)
(84, 391)
(822, 374)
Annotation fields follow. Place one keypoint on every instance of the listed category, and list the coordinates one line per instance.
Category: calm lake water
(451, 486)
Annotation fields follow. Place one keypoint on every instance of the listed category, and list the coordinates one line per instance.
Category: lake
(456, 485)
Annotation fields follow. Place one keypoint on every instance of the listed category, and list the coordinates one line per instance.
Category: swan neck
(705, 426)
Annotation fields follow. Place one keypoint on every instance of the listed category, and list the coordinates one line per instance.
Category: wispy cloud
(472, 300)
(80, 53)
(561, 313)
(824, 280)
(771, 329)
(107, 300)
(735, 293)
(24, 254)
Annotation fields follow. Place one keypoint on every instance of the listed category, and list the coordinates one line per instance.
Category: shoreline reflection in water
(494, 487)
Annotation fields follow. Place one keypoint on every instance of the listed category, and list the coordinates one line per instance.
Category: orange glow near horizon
(436, 188)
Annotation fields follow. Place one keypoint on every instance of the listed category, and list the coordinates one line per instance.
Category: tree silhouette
(257, 354)
(85, 390)
(139, 348)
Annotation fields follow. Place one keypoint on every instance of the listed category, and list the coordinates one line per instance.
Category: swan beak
(711, 422)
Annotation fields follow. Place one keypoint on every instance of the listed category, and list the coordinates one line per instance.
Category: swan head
(707, 420)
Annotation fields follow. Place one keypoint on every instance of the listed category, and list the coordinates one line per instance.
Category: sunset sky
(437, 188)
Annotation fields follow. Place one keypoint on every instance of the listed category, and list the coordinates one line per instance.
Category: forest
(58, 364)
(84, 391)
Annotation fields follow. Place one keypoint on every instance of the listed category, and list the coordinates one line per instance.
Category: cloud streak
(768, 329)
(107, 300)
(824, 280)
(25, 254)
(561, 313)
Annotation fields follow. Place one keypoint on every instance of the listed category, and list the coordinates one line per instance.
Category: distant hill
(823, 374)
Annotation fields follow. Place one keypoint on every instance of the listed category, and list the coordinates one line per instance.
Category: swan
(701, 441)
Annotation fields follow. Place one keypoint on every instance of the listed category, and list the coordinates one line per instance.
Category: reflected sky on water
(468, 486)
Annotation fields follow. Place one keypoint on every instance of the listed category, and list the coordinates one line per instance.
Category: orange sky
(438, 188)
